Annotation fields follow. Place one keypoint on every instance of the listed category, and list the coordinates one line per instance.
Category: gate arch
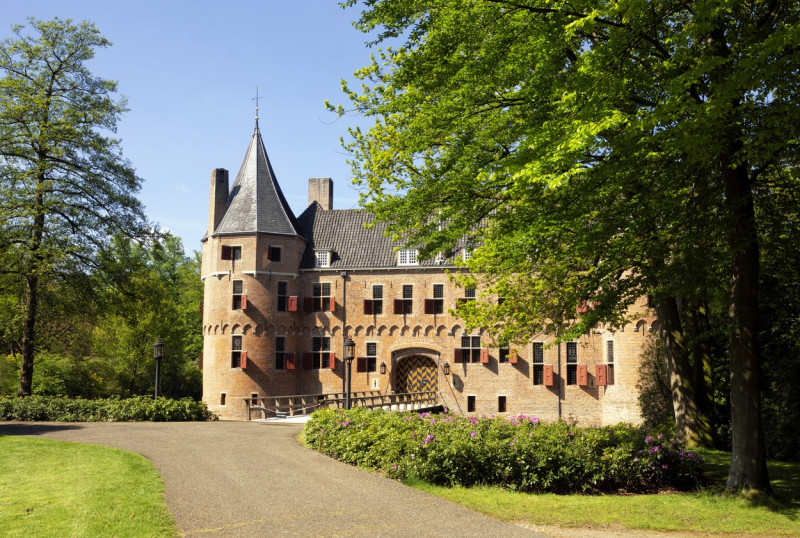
(416, 373)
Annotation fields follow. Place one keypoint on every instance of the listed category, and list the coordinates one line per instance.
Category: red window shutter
(289, 358)
(600, 375)
(332, 304)
(484, 356)
(513, 358)
(227, 253)
(583, 376)
(361, 364)
(244, 302)
(398, 306)
(548, 375)
(332, 361)
(292, 306)
(243, 360)
(308, 304)
(367, 306)
(308, 361)
(429, 306)
(458, 355)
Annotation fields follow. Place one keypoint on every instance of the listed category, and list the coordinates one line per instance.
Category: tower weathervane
(256, 98)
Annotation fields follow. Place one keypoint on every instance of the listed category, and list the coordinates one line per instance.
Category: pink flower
(473, 434)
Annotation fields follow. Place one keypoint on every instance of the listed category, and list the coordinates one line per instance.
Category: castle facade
(282, 293)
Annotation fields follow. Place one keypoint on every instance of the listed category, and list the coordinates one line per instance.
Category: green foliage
(655, 395)
(518, 453)
(140, 408)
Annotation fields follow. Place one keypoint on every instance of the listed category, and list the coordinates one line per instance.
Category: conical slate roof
(256, 203)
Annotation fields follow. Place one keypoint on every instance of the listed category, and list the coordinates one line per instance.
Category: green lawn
(55, 488)
(709, 511)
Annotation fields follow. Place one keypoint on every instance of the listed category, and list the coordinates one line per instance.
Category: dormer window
(323, 258)
(407, 256)
(466, 254)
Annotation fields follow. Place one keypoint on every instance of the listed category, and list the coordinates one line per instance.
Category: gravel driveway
(253, 479)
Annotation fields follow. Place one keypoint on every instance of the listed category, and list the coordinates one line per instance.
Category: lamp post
(349, 353)
(158, 354)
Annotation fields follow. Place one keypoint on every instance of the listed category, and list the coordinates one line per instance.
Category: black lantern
(446, 368)
(158, 354)
(383, 368)
(349, 354)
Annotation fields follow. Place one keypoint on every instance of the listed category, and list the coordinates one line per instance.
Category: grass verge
(708, 511)
(56, 488)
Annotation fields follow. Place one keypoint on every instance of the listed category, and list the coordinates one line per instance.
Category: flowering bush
(519, 453)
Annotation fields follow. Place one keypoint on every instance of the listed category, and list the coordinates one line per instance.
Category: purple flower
(433, 421)
(648, 439)
(660, 435)
(635, 458)
(665, 466)
(394, 466)
(346, 424)
(473, 434)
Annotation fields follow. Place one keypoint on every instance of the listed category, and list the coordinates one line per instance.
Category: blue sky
(189, 70)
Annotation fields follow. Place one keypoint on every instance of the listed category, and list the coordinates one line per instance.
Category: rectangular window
(469, 293)
(407, 256)
(239, 298)
(610, 362)
(503, 352)
(253, 398)
(222, 396)
(280, 356)
(406, 304)
(501, 404)
(323, 258)
(283, 298)
(470, 404)
(377, 299)
(435, 305)
(231, 253)
(471, 348)
(274, 254)
(538, 363)
(321, 346)
(322, 297)
(572, 363)
(236, 351)
(372, 356)
(466, 254)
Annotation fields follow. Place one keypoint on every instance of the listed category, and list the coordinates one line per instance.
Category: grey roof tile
(344, 232)
(256, 203)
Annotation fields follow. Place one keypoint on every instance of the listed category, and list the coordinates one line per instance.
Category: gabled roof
(345, 233)
(256, 203)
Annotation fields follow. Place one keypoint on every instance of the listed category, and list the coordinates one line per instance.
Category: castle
(281, 294)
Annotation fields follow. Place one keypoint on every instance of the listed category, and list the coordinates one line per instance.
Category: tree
(608, 149)
(64, 185)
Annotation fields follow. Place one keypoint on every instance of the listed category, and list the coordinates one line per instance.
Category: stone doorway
(416, 374)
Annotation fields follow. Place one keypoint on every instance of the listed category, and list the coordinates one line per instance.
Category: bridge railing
(303, 404)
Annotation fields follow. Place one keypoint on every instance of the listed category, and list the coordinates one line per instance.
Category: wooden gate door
(416, 374)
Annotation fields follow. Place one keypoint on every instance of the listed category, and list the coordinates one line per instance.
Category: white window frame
(466, 254)
(322, 258)
(407, 256)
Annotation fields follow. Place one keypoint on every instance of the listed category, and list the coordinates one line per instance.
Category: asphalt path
(243, 479)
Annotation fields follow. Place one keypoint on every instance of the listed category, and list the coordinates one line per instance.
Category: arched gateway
(416, 374)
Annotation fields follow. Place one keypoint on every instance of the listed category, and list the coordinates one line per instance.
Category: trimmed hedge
(139, 408)
(519, 453)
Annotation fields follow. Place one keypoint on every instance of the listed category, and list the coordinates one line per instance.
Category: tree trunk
(701, 355)
(748, 458)
(33, 269)
(28, 335)
(679, 371)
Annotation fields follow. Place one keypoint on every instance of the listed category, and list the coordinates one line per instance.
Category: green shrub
(139, 408)
(519, 453)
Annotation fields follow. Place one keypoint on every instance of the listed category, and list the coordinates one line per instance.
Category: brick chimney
(320, 189)
(218, 202)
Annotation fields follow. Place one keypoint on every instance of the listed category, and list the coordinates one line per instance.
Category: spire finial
(256, 98)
